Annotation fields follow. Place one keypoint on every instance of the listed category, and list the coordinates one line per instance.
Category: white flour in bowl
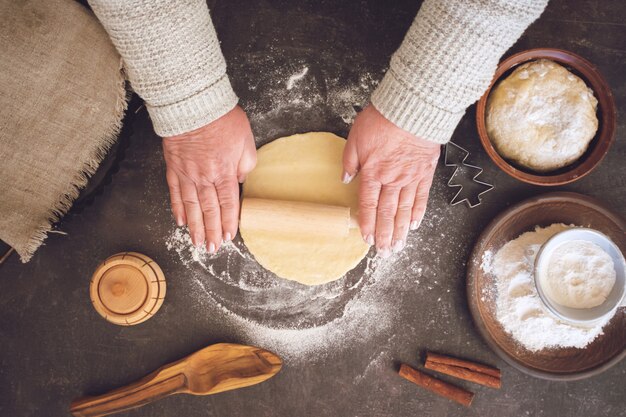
(519, 308)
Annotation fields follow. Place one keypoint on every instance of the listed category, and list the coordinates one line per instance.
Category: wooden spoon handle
(151, 388)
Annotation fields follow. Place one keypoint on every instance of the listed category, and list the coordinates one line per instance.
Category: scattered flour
(353, 309)
(302, 323)
(310, 91)
(380, 362)
(296, 77)
(519, 308)
(295, 321)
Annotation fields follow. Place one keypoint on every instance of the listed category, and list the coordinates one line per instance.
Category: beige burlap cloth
(62, 99)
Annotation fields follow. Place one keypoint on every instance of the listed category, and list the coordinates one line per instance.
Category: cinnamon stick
(436, 386)
(469, 371)
(448, 360)
(464, 373)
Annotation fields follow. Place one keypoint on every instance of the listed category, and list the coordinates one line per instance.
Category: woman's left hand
(396, 171)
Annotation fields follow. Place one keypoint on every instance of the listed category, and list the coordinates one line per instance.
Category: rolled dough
(305, 167)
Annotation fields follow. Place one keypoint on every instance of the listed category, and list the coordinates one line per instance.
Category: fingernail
(415, 224)
(211, 247)
(196, 240)
(241, 179)
(369, 239)
(383, 252)
(227, 237)
(179, 221)
(398, 245)
(346, 178)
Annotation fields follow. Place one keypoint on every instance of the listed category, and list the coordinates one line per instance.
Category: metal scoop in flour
(581, 316)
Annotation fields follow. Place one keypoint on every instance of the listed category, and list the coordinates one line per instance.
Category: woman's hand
(204, 169)
(396, 170)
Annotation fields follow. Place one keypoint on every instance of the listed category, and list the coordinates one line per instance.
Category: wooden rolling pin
(217, 368)
(295, 217)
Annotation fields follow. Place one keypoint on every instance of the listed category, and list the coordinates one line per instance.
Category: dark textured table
(54, 346)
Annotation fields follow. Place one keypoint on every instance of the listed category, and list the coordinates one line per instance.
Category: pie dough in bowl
(541, 116)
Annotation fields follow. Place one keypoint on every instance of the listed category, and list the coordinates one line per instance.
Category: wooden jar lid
(127, 288)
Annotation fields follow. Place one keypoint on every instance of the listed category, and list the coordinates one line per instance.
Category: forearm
(447, 60)
(172, 58)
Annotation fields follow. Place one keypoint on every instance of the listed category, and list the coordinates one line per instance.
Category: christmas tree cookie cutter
(455, 156)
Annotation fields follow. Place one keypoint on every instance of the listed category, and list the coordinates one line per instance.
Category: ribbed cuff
(194, 112)
(407, 110)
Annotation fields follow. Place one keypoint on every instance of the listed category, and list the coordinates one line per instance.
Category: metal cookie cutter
(455, 156)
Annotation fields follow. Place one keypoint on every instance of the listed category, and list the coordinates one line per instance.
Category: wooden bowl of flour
(606, 113)
(562, 363)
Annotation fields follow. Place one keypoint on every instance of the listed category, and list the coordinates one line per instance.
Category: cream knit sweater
(172, 58)
(445, 63)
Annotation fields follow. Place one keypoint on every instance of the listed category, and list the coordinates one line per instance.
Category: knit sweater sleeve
(173, 60)
(447, 60)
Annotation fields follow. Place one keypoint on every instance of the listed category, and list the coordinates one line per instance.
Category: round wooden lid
(127, 288)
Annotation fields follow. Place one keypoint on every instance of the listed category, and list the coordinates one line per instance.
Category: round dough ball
(542, 116)
(307, 168)
(580, 275)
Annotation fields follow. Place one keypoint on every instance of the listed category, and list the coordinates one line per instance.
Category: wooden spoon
(216, 368)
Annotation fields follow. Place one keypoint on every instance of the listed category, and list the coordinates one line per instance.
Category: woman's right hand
(204, 169)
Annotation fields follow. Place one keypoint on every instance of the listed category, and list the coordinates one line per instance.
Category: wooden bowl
(599, 145)
(555, 364)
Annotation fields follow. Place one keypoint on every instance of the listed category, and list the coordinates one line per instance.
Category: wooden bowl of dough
(554, 363)
(606, 113)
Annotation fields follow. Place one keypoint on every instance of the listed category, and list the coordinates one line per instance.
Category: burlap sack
(62, 99)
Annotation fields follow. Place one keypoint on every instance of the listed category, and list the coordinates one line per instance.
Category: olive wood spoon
(216, 368)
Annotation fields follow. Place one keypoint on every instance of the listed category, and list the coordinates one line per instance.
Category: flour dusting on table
(303, 87)
(347, 309)
(296, 321)
(296, 77)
